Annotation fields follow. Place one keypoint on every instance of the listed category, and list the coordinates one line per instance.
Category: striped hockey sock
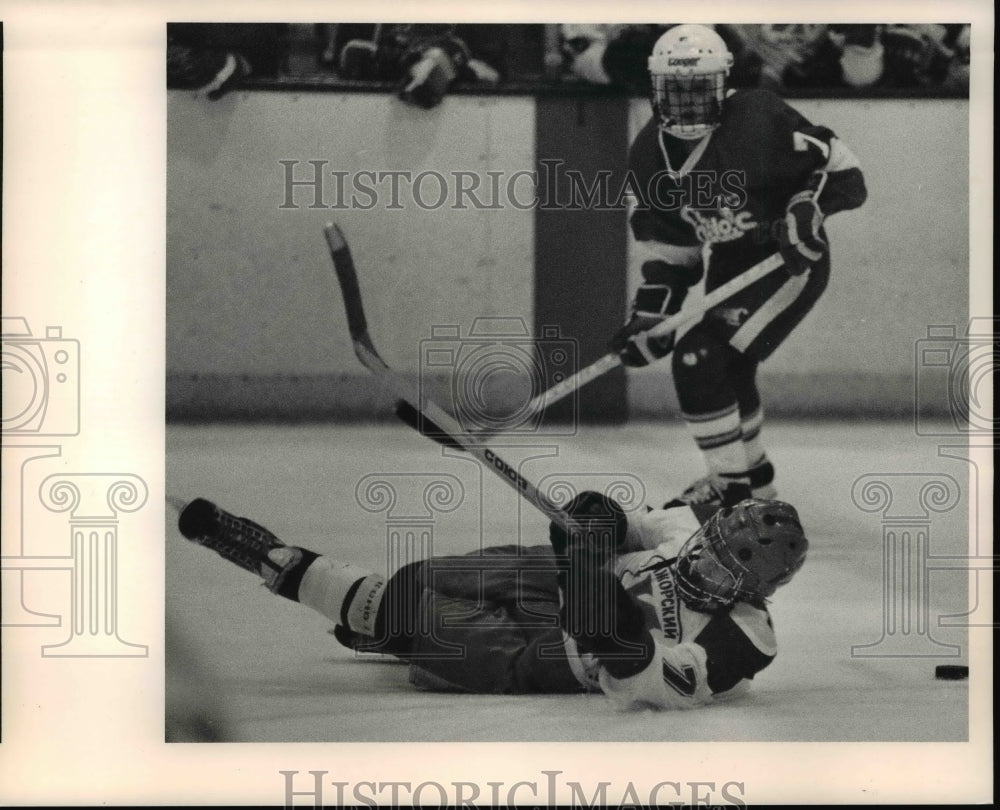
(344, 593)
(719, 436)
(750, 426)
(759, 468)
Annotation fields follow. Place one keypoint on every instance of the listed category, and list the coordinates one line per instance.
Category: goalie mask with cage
(688, 69)
(741, 554)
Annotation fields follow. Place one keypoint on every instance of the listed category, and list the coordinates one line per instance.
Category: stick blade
(334, 237)
(347, 276)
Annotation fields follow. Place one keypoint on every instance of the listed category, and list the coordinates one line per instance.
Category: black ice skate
(713, 491)
(241, 541)
(729, 489)
(761, 477)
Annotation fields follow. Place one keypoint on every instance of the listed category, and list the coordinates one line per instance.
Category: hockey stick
(612, 360)
(437, 423)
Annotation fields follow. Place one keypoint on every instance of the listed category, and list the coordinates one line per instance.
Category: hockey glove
(601, 617)
(799, 238)
(660, 296)
(603, 526)
(432, 65)
(428, 79)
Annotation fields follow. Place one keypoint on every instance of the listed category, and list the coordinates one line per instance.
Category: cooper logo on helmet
(684, 111)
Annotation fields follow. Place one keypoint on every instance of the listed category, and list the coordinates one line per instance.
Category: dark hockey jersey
(734, 187)
(700, 657)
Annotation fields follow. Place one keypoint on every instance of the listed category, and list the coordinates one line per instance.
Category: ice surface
(269, 671)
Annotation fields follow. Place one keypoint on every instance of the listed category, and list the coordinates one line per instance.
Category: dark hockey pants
(715, 362)
(486, 622)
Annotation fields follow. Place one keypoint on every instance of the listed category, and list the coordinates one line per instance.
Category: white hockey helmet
(741, 554)
(688, 68)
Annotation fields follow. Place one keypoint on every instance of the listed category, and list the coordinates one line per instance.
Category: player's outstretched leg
(239, 540)
(342, 592)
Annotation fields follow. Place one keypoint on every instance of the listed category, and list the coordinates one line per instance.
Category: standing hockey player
(665, 609)
(726, 180)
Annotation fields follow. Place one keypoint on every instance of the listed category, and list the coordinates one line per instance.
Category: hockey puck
(951, 672)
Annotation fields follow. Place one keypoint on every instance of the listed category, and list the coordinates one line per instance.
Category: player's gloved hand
(595, 610)
(660, 296)
(602, 526)
(358, 60)
(799, 238)
(598, 613)
(636, 347)
(428, 79)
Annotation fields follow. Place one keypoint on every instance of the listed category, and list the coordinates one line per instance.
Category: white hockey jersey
(700, 657)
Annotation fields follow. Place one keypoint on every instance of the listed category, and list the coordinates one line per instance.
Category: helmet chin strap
(695, 147)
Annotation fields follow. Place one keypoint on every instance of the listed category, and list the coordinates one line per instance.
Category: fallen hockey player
(664, 609)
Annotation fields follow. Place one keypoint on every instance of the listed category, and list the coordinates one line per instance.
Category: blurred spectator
(922, 55)
(861, 53)
(212, 58)
(584, 47)
(423, 59)
(426, 60)
(617, 54)
(792, 55)
(958, 39)
(830, 56)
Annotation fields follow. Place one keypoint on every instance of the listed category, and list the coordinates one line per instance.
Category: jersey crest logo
(723, 225)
